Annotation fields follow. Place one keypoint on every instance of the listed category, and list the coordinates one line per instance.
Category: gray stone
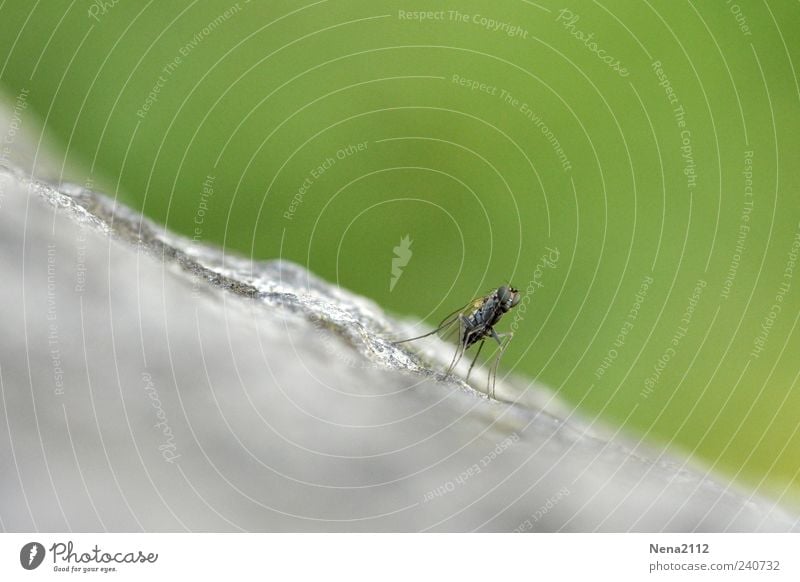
(151, 383)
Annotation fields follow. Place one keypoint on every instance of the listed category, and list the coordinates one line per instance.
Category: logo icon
(31, 555)
(402, 254)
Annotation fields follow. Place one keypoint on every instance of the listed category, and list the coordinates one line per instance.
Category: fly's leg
(503, 343)
(444, 325)
(475, 359)
(462, 344)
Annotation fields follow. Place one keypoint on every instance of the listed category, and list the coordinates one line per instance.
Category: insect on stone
(475, 323)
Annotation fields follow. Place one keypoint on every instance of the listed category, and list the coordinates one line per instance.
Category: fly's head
(508, 297)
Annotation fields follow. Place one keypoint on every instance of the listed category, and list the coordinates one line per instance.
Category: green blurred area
(255, 101)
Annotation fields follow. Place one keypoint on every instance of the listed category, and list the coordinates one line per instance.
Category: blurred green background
(489, 133)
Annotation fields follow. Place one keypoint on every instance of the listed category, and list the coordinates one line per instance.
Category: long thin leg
(475, 359)
(437, 330)
(493, 370)
(411, 339)
(463, 340)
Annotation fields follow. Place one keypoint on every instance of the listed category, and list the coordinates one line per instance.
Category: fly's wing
(450, 323)
(447, 327)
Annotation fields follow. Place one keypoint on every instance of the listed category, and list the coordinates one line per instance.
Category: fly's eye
(515, 297)
(503, 294)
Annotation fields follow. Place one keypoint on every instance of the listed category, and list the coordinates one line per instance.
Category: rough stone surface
(149, 383)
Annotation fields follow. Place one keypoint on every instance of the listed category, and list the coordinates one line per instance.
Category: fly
(475, 323)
